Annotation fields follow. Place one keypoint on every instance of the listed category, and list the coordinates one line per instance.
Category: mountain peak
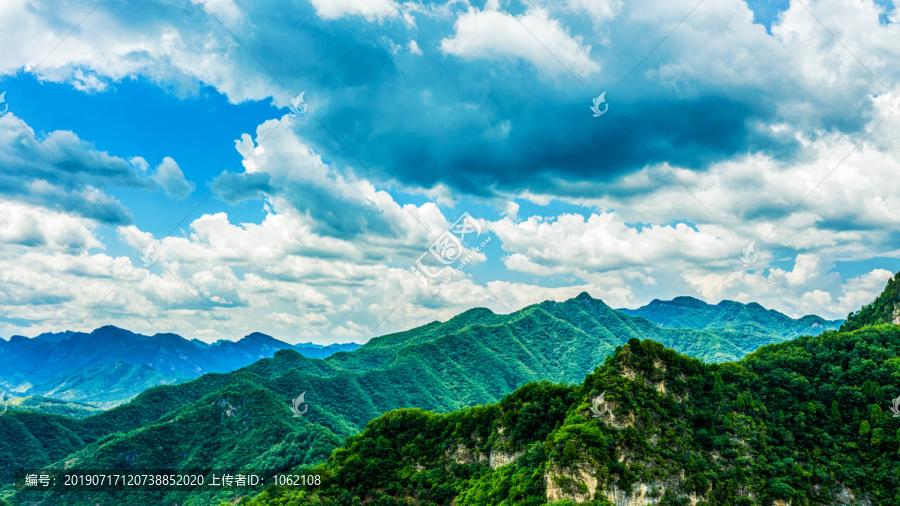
(884, 309)
(259, 337)
(688, 301)
(109, 328)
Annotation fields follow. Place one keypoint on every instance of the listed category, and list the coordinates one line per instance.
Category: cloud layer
(722, 134)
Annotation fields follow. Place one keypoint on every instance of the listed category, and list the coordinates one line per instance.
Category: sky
(333, 170)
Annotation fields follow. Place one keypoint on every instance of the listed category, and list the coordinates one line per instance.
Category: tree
(865, 429)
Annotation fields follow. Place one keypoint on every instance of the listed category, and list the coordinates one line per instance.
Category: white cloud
(171, 178)
(598, 10)
(603, 243)
(370, 9)
(34, 226)
(533, 36)
(329, 258)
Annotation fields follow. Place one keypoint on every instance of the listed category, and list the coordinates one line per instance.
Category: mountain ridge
(690, 312)
(49, 362)
(647, 426)
(884, 309)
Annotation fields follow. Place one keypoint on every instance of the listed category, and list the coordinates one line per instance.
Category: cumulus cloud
(171, 178)
(598, 10)
(534, 37)
(750, 122)
(35, 227)
(370, 9)
(723, 99)
(339, 203)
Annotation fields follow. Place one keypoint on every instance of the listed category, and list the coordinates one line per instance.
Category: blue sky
(169, 125)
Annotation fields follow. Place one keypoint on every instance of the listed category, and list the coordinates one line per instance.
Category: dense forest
(884, 309)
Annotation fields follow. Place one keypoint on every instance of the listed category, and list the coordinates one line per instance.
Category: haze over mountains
(731, 318)
(111, 365)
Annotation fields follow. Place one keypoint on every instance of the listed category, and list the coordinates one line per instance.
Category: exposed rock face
(895, 318)
(846, 497)
(580, 485)
(463, 455)
(501, 458)
(574, 484)
(496, 458)
(641, 494)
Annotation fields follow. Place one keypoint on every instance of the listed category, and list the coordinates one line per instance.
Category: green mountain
(47, 405)
(732, 318)
(104, 385)
(884, 309)
(111, 365)
(801, 422)
(475, 358)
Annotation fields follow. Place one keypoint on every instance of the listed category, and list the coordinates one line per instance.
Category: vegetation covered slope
(475, 358)
(884, 309)
(88, 367)
(732, 318)
(801, 422)
(104, 386)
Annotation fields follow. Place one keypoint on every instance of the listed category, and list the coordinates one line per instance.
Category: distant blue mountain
(731, 318)
(110, 365)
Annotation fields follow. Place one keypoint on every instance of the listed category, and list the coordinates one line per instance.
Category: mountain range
(111, 365)
(242, 419)
(731, 318)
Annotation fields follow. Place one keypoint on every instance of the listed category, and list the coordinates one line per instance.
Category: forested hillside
(110, 365)
(802, 422)
(475, 358)
(884, 309)
(731, 318)
(242, 419)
